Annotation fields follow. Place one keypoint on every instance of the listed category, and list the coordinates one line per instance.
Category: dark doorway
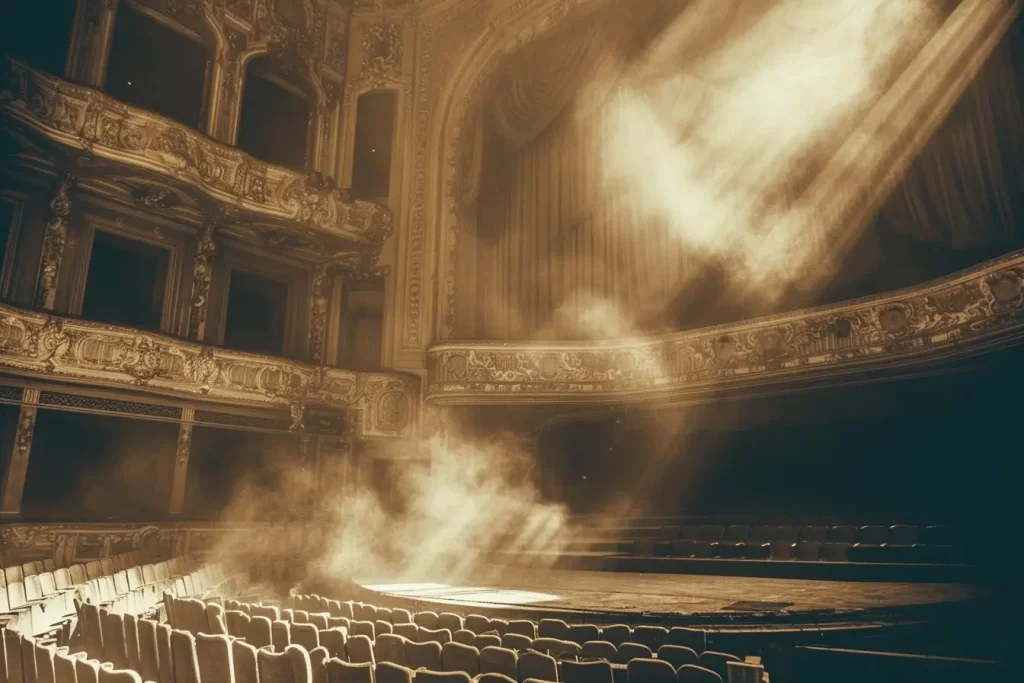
(154, 67)
(126, 282)
(256, 313)
(94, 468)
(362, 325)
(375, 130)
(274, 121)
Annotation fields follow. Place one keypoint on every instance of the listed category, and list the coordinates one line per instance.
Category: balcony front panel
(962, 314)
(38, 345)
(86, 121)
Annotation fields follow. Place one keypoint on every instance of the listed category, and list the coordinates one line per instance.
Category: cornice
(956, 315)
(38, 345)
(84, 119)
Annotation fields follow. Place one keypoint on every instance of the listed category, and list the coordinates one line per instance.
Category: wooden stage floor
(621, 593)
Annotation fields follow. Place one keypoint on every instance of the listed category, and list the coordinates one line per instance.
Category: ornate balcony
(55, 348)
(957, 315)
(291, 207)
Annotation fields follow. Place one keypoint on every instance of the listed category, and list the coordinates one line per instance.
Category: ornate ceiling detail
(38, 345)
(956, 315)
(381, 56)
(84, 119)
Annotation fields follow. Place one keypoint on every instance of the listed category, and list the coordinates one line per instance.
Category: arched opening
(157, 67)
(274, 120)
(39, 33)
(374, 140)
(558, 242)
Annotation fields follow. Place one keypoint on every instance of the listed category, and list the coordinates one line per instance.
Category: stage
(673, 598)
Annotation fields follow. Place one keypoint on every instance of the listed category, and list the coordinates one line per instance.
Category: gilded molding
(35, 344)
(86, 119)
(68, 544)
(956, 315)
(202, 276)
(55, 237)
(433, 66)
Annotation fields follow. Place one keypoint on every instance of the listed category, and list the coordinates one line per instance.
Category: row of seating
(37, 602)
(898, 543)
(435, 650)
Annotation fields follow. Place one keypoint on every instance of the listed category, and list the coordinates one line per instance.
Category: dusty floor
(669, 593)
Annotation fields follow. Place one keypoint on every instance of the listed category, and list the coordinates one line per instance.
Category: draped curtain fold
(553, 249)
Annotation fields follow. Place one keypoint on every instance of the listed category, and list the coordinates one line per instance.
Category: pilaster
(21, 450)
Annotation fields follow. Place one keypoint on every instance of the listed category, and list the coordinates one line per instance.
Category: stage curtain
(558, 255)
(965, 189)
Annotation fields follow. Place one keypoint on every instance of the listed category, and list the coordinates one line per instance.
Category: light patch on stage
(461, 595)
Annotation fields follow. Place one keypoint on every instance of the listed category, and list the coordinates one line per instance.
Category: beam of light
(455, 595)
(717, 146)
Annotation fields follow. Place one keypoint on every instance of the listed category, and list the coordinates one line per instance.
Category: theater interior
(580, 341)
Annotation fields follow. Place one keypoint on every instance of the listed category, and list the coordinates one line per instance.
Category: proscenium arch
(460, 97)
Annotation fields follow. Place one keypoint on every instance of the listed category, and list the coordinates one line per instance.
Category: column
(17, 463)
(319, 300)
(90, 42)
(202, 274)
(55, 237)
(181, 457)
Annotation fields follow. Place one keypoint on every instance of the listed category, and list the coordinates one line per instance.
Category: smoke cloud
(717, 128)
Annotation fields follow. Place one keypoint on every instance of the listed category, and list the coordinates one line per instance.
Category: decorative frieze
(36, 344)
(68, 544)
(952, 316)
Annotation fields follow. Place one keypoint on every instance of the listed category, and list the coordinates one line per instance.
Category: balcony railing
(957, 315)
(83, 118)
(41, 345)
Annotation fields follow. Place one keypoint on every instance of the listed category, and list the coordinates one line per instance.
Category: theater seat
(464, 636)
(499, 660)
(581, 633)
(339, 671)
(718, 662)
(598, 649)
(450, 621)
(553, 628)
(423, 655)
(697, 674)
(459, 657)
(616, 634)
(783, 550)
(244, 660)
(808, 551)
(677, 655)
(834, 552)
(516, 641)
(523, 627)
(651, 636)
(734, 541)
(692, 638)
(650, 671)
(628, 651)
(491, 639)
(389, 672)
(441, 635)
(494, 678)
(426, 620)
(587, 672)
(538, 666)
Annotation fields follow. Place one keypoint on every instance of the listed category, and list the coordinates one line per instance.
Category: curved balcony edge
(36, 344)
(83, 118)
(952, 316)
